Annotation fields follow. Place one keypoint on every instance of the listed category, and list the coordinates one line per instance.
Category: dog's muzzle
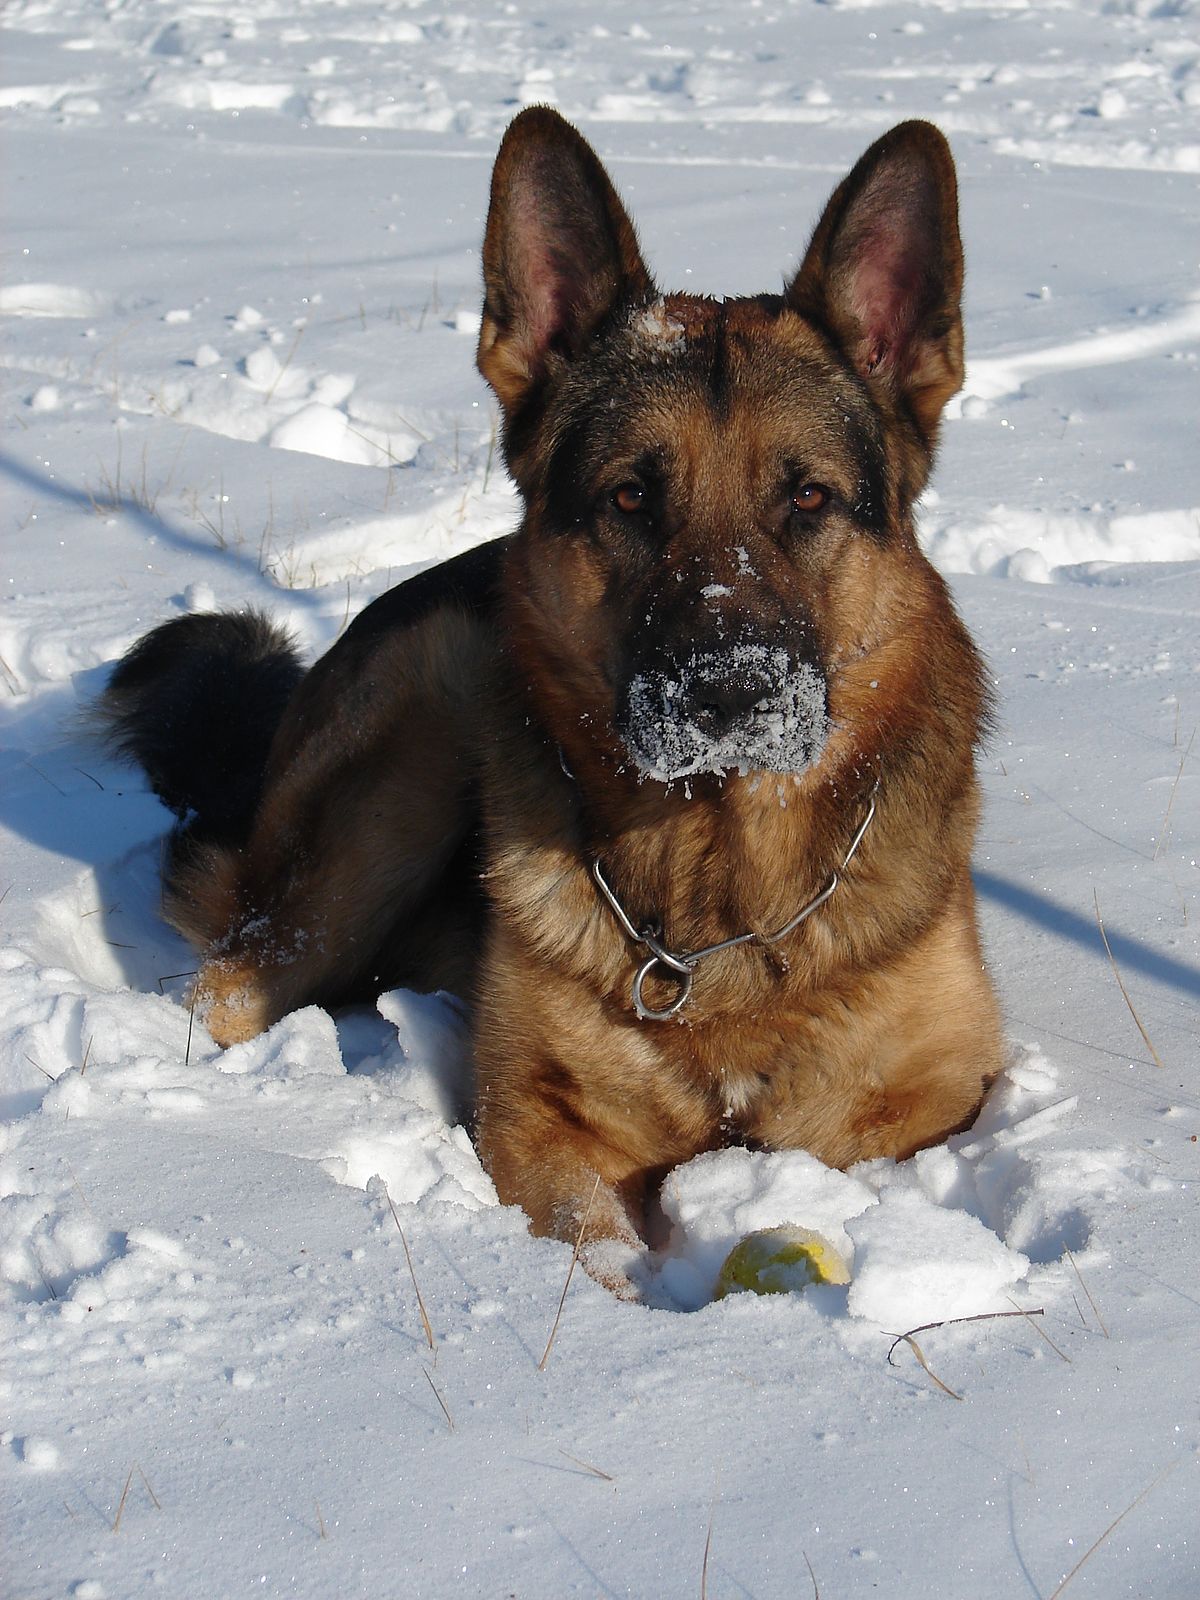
(749, 708)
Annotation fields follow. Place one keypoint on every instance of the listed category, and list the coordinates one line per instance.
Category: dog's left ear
(884, 271)
(559, 254)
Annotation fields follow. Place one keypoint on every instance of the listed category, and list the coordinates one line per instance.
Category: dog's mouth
(753, 708)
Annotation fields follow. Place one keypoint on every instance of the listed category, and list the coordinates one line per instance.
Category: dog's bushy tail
(196, 704)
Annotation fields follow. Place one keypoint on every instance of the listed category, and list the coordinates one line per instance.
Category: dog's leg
(571, 1183)
(905, 1069)
(363, 908)
(579, 1117)
(369, 802)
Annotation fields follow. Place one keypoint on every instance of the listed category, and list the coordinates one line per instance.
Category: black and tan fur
(698, 476)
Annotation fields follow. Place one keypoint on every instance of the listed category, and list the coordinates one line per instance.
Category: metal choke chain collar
(681, 964)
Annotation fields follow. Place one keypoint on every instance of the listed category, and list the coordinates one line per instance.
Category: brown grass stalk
(1162, 835)
(949, 1322)
(587, 1211)
(437, 1396)
(121, 1507)
(44, 778)
(1087, 1292)
(287, 361)
(812, 1575)
(425, 1322)
(707, 1551)
(149, 1490)
(1113, 1525)
(1041, 1332)
(167, 976)
(1121, 985)
(587, 1466)
(954, 1322)
(912, 1344)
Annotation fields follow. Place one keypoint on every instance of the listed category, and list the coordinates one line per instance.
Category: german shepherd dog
(676, 784)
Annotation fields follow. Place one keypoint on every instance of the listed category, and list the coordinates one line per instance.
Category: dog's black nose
(716, 703)
(750, 707)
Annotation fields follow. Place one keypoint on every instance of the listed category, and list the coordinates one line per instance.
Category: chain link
(680, 965)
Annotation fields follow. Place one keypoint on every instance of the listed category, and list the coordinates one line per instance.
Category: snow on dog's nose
(750, 708)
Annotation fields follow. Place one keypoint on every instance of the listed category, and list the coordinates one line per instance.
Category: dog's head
(718, 493)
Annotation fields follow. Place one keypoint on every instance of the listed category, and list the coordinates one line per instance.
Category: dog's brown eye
(810, 497)
(629, 499)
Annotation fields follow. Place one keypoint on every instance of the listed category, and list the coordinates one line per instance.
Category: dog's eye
(810, 497)
(629, 499)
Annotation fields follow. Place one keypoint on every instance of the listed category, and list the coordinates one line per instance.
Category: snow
(785, 731)
(655, 326)
(238, 306)
(917, 1263)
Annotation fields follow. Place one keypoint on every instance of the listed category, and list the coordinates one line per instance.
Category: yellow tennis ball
(781, 1260)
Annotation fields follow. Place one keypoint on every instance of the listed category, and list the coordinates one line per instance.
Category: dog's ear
(884, 271)
(558, 255)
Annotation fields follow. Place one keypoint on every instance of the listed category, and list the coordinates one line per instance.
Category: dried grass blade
(1121, 985)
(1162, 836)
(707, 1549)
(1087, 1292)
(438, 1398)
(812, 1575)
(121, 1507)
(954, 1322)
(1040, 1331)
(167, 977)
(1113, 1525)
(425, 1322)
(587, 1466)
(587, 1211)
(917, 1351)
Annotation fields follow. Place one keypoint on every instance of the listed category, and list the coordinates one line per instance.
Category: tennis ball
(780, 1260)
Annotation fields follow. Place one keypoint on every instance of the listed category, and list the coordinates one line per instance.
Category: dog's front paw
(622, 1268)
(231, 1002)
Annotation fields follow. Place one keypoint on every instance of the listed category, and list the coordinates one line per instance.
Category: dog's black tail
(196, 704)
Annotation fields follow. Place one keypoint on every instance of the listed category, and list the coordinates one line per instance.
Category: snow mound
(51, 300)
(950, 1233)
(915, 1262)
(1044, 547)
(320, 430)
(720, 1197)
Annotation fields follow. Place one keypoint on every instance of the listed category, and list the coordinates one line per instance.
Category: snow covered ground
(238, 303)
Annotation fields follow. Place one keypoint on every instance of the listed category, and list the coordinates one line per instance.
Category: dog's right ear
(559, 254)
